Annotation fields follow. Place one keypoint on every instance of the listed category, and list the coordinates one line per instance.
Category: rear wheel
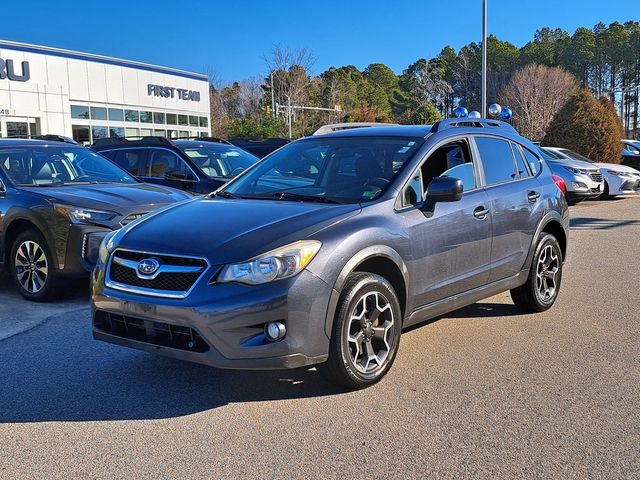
(543, 285)
(366, 332)
(31, 267)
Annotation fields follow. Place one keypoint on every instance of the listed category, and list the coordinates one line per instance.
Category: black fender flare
(369, 252)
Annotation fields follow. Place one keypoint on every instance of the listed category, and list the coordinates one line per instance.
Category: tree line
(604, 60)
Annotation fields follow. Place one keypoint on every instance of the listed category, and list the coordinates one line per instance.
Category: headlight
(577, 170)
(106, 247)
(84, 215)
(283, 262)
(619, 174)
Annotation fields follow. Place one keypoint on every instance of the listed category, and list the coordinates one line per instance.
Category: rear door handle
(533, 196)
(480, 213)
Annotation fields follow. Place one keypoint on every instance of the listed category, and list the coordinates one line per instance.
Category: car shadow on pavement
(589, 223)
(57, 372)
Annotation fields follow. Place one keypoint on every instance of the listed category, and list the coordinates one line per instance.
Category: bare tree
(536, 93)
(289, 72)
(428, 84)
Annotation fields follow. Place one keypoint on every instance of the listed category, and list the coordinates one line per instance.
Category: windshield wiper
(223, 195)
(301, 197)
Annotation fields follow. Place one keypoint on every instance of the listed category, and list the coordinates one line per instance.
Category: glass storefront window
(183, 120)
(17, 128)
(204, 122)
(160, 133)
(116, 115)
(146, 117)
(145, 132)
(193, 121)
(172, 134)
(131, 132)
(131, 116)
(99, 132)
(80, 112)
(184, 134)
(158, 118)
(98, 113)
(116, 132)
(172, 119)
(81, 134)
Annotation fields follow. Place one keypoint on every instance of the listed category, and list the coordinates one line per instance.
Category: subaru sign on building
(47, 90)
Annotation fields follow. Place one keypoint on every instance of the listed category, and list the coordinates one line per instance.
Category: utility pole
(273, 98)
(483, 110)
(289, 112)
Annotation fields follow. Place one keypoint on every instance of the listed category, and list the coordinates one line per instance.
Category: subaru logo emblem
(148, 266)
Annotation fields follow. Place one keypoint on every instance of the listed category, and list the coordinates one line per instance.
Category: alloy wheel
(370, 328)
(547, 272)
(31, 266)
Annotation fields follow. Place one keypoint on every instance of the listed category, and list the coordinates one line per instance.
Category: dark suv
(57, 202)
(325, 250)
(198, 166)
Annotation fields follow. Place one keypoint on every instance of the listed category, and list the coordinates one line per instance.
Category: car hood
(572, 162)
(113, 197)
(617, 167)
(230, 230)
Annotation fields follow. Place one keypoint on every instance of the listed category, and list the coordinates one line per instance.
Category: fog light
(579, 186)
(275, 331)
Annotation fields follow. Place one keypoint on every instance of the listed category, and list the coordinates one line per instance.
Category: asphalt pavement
(483, 392)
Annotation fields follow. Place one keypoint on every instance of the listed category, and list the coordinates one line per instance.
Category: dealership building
(47, 90)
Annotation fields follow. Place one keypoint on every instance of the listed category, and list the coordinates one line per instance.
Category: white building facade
(52, 91)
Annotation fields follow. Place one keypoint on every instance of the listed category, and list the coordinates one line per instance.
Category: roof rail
(49, 137)
(471, 122)
(334, 127)
(260, 140)
(206, 139)
(121, 140)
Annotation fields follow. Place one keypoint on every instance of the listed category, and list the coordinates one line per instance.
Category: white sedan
(618, 179)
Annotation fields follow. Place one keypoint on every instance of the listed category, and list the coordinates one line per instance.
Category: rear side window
(163, 161)
(130, 160)
(523, 170)
(497, 160)
(532, 160)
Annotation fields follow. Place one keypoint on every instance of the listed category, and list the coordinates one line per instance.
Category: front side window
(130, 160)
(55, 165)
(163, 161)
(497, 160)
(220, 160)
(337, 169)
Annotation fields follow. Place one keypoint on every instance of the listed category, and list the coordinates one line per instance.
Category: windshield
(220, 160)
(547, 154)
(47, 165)
(335, 169)
(576, 155)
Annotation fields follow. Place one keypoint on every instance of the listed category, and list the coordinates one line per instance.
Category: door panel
(451, 249)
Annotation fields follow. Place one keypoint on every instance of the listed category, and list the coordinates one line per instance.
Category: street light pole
(483, 109)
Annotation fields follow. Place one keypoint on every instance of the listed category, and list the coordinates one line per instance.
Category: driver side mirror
(444, 189)
(3, 189)
(175, 175)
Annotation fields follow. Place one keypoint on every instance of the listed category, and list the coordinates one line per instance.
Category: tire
(32, 268)
(355, 337)
(605, 194)
(543, 285)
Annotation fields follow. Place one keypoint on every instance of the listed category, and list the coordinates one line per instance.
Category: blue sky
(231, 37)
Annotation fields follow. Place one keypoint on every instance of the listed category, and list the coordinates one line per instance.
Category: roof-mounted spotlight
(461, 112)
(475, 114)
(506, 113)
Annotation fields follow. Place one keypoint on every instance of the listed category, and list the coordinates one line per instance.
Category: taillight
(559, 181)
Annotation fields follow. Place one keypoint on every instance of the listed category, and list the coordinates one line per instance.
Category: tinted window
(99, 132)
(116, 132)
(204, 122)
(98, 113)
(497, 160)
(163, 161)
(532, 160)
(146, 117)
(172, 119)
(131, 116)
(221, 160)
(342, 169)
(130, 160)
(78, 111)
(81, 134)
(182, 120)
(523, 170)
(158, 117)
(116, 114)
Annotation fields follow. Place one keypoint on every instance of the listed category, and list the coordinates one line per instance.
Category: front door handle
(533, 196)
(480, 213)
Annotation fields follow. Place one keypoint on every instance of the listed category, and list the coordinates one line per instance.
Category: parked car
(583, 179)
(259, 147)
(197, 165)
(618, 179)
(385, 228)
(631, 153)
(57, 201)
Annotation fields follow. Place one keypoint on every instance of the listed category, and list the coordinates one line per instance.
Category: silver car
(618, 179)
(583, 179)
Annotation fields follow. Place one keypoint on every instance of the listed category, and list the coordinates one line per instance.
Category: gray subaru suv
(325, 250)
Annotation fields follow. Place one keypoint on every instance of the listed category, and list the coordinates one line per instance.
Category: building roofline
(90, 57)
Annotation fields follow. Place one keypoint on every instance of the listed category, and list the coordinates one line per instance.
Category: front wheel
(31, 267)
(366, 332)
(543, 285)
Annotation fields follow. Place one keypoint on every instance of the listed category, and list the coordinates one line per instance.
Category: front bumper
(623, 185)
(221, 325)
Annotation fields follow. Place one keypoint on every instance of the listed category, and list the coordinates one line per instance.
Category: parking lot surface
(482, 392)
